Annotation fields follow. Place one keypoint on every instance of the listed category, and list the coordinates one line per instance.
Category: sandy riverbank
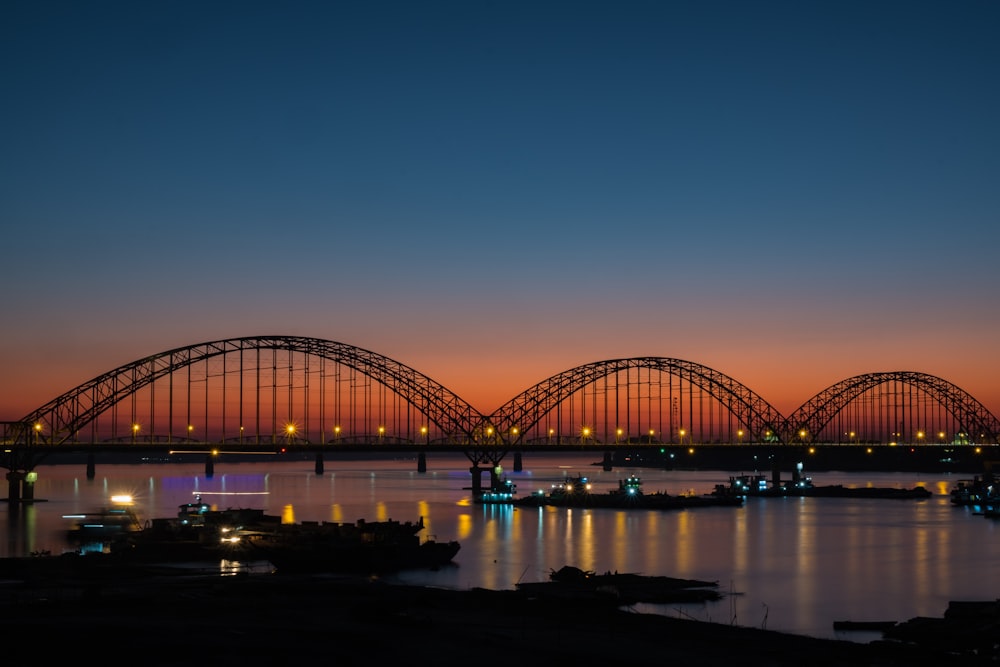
(273, 619)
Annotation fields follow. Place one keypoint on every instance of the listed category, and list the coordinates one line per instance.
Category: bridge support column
(477, 481)
(421, 462)
(319, 463)
(607, 461)
(28, 486)
(91, 467)
(14, 479)
(518, 465)
(209, 465)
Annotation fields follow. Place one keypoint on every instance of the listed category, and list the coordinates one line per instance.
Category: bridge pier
(28, 486)
(91, 466)
(518, 464)
(477, 481)
(319, 463)
(14, 479)
(607, 462)
(421, 462)
(209, 465)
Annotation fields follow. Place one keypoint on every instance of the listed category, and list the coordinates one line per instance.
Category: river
(788, 564)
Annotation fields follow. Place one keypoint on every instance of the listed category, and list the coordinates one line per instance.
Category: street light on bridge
(135, 432)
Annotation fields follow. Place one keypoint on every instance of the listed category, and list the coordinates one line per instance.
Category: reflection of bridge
(267, 392)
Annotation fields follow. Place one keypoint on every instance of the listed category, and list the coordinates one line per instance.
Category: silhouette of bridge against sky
(272, 393)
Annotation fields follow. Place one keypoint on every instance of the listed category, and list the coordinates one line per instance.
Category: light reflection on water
(794, 565)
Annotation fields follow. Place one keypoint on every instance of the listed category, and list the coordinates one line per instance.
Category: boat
(578, 492)
(803, 487)
(368, 547)
(979, 490)
(501, 492)
(195, 533)
(104, 524)
(620, 588)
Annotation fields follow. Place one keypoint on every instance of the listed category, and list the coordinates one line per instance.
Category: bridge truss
(273, 391)
(900, 407)
(257, 390)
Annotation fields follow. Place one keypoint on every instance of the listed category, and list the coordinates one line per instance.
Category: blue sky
(791, 193)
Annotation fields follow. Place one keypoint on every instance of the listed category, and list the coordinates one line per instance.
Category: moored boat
(620, 588)
(578, 492)
(803, 487)
(501, 492)
(363, 547)
(196, 533)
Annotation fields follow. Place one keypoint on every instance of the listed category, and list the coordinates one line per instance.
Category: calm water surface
(793, 565)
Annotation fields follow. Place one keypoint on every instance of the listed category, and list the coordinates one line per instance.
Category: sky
(791, 193)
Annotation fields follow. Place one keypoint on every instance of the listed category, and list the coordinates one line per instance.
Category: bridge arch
(186, 384)
(638, 399)
(899, 407)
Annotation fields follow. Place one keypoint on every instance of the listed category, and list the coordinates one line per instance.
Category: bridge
(290, 393)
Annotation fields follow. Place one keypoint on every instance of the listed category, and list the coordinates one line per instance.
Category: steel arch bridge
(527, 417)
(283, 390)
(894, 407)
(234, 391)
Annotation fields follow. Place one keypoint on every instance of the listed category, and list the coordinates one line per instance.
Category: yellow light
(690, 450)
(135, 428)
(38, 427)
(123, 498)
(514, 430)
(290, 429)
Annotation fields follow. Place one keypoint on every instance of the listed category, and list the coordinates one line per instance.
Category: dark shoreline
(260, 619)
